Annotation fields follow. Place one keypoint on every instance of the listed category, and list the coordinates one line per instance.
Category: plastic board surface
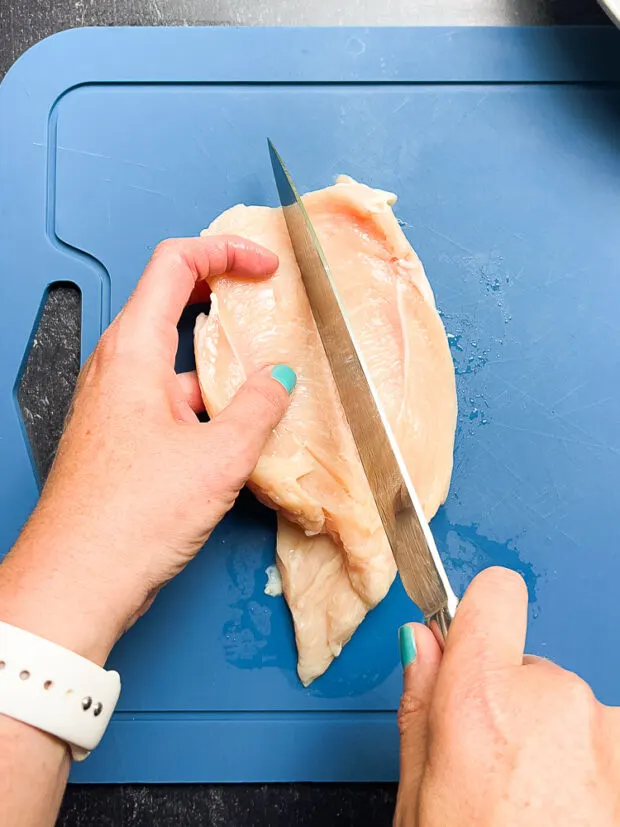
(503, 148)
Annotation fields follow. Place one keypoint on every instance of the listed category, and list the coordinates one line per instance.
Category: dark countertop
(44, 394)
(24, 22)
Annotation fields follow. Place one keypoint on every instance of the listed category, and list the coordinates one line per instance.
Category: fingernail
(406, 645)
(285, 376)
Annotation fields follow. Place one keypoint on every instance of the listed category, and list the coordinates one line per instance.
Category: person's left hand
(138, 482)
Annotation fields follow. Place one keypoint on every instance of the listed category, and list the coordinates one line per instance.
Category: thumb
(240, 431)
(488, 631)
(421, 658)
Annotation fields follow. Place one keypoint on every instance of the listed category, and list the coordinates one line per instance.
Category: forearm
(46, 590)
(33, 774)
(33, 765)
(137, 486)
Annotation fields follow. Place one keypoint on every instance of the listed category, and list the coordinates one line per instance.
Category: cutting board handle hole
(51, 367)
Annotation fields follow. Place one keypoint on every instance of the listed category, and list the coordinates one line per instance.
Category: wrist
(52, 588)
(47, 605)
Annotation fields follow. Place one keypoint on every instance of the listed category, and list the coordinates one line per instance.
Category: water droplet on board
(355, 46)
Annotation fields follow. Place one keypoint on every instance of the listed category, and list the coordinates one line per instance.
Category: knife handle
(439, 623)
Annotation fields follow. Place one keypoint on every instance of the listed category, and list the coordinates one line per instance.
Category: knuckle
(579, 693)
(228, 435)
(106, 347)
(168, 245)
(112, 344)
(219, 481)
(472, 699)
(116, 347)
(171, 249)
(233, 463)
(461, 696)
(269, 396)
(411, 708)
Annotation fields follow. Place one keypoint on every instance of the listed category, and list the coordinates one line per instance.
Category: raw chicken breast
(326, 609)
(335, 560)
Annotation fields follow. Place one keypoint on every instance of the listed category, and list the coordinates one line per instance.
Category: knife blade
(407, 530)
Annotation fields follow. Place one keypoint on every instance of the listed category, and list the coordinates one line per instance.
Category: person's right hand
(490, 737)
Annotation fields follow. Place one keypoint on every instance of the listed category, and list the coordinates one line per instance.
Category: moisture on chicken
(332, 552)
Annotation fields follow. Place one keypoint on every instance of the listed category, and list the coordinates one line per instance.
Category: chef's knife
(408, 532)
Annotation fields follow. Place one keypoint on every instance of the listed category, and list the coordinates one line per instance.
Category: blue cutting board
(503, 147)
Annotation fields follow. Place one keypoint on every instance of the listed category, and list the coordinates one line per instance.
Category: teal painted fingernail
(406, 644)
(285, 376)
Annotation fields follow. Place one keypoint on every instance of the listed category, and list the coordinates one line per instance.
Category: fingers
(489, 628)
(176, 272)
(190, 389)
(418, 646)
(241, 430)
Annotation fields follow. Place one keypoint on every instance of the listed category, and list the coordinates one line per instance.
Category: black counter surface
(52, 368)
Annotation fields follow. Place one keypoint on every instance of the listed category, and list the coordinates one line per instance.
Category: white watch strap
(54, 689)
